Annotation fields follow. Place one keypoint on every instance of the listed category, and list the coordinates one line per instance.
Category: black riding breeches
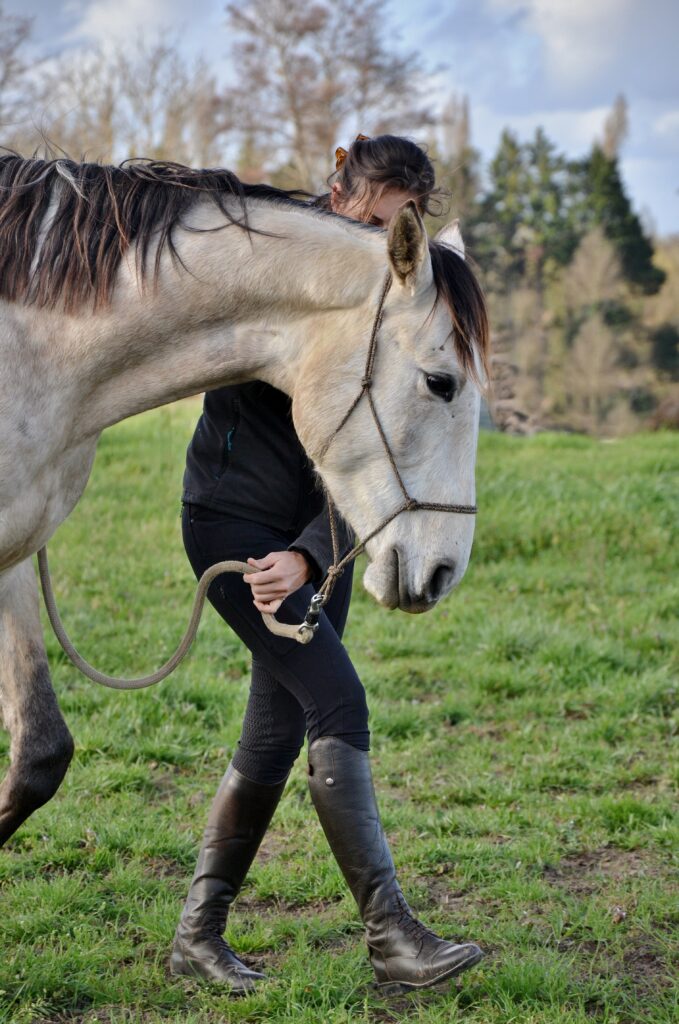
(296, 689)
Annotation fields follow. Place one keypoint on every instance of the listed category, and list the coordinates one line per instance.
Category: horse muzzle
(396, 580)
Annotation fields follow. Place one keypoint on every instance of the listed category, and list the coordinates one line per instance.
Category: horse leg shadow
(41, 746)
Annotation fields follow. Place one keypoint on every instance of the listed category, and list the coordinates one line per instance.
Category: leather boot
(239, 817)
(404, 954)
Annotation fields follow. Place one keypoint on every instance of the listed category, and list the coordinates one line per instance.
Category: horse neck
(238, 314)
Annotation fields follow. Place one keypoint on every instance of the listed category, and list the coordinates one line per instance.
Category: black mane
(98, 212)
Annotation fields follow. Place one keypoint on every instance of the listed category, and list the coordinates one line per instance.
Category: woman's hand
(283, 572)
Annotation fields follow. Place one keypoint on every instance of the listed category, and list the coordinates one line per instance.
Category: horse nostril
(441, 581)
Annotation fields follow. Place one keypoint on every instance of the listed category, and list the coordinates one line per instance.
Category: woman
(250, 493)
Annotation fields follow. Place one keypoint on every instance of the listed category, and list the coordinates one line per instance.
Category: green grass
(524, 738)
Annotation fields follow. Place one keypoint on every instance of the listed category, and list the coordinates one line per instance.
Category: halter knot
(366, 382)
(411, 505)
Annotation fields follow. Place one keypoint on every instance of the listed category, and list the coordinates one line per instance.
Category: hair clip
(341, 154)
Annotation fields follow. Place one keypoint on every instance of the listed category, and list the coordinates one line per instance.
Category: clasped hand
(282, 572)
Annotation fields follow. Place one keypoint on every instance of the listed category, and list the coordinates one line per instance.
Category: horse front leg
(41, 746)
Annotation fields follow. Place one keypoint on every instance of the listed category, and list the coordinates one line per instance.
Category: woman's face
(391, 200)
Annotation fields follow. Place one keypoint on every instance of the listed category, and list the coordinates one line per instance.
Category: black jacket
(245, 460)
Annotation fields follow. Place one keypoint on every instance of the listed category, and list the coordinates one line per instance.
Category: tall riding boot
(404, 954)
(239, 817)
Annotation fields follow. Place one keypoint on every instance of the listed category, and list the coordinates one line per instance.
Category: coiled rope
(302, 633)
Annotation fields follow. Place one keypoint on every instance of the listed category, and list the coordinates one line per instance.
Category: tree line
(584, 305)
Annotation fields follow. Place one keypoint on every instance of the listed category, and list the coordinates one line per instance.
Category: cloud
(666, 127)
(578, 36)
(598, 47)
(73, 24)
(200, 26)
(483, 46)
(573, 130)
(516, 54)
(101, 21)
(654, 184)
(51, 21)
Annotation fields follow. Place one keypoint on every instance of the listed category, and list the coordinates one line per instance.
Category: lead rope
(299, 632)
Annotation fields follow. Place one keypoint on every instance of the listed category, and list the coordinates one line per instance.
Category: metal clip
(310, 624)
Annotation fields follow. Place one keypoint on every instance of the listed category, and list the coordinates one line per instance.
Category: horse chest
(36, 495)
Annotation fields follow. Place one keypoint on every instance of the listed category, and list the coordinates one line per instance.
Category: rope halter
(409, 504)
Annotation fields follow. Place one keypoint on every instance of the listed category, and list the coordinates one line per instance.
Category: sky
(522, 63)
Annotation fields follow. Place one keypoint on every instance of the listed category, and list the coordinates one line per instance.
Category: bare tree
(209, 116)
(616, 127)
(606, 362)
(520, 338)
(594, 275)
(15, 32)
(592, 376)
(456, 127)
(145, 100)
(458, 166)
(170, 109)
(76, 107)
(663, 307)
(310, 72)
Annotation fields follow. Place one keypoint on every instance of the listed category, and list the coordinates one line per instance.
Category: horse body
(291, 305)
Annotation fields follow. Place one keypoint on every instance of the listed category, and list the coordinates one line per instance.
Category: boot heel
(392, 988)
(384, 985)
(179, 966)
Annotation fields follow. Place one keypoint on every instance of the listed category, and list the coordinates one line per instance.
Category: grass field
(525, 755)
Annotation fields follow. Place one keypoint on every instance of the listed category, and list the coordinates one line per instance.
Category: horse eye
(442, 385)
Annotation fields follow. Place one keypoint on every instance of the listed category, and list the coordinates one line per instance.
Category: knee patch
(273, 731)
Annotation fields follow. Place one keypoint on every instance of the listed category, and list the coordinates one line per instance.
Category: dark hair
(389, 161)
(459, 290)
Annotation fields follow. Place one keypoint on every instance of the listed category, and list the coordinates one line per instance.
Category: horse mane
(65, 226)
(458, 288)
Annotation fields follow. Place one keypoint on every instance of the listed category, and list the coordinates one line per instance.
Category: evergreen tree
(550, 234)
(528, 222)
(499, 249)
(607, 204)
(665, 350)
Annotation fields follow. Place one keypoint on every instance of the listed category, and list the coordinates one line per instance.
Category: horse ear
(451, 236)
(408, 248)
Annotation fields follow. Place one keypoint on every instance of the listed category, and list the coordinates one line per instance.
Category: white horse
(248, 283)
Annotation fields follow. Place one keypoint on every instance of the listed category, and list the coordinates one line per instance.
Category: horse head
(413, 432)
